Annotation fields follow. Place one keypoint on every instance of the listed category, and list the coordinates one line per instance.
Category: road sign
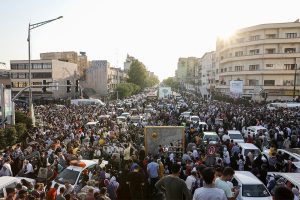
(211, 150)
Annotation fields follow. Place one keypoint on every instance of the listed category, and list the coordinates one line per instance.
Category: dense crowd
(125, 171)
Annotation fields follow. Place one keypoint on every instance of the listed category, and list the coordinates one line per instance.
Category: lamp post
(30, 27)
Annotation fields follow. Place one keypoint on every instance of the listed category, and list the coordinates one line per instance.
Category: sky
(157, 32)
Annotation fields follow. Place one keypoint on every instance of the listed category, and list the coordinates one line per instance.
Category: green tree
(10, 135)
(126, 89)
(21, 130)
(2, 139)
(152, 81)
(137, 74)
(23, 118)
(171, 82)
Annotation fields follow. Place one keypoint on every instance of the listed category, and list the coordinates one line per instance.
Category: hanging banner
(7, 102)
(236, 89)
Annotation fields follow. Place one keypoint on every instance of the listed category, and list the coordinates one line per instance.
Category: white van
(254, 130)
(247, 147)
(74, 173)
(290, 179)
(11, 182)
(236, 136)
(250, 186)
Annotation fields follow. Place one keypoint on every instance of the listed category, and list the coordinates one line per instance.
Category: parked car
(236, 136)
(251, 188)
(289, 179)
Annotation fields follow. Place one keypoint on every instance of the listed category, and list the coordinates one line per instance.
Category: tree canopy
(127, 89)
(171, 82)
(138, 74)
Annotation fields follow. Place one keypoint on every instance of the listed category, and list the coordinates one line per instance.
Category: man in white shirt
(191, 179)
(209, 191)
(28, 169)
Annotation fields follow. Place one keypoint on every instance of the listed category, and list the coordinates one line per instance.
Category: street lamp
(30, 27)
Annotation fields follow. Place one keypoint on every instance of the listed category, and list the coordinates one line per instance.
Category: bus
(87, 102)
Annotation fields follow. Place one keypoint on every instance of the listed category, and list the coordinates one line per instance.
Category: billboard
(236, 89)
(163, 135)
(164, 92)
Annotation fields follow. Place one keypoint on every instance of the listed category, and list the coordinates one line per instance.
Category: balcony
(259, 72)
(260, 56)
(260, 42)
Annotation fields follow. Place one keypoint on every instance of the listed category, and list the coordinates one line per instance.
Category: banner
(7, 102)
(236, 89)
(164, 92)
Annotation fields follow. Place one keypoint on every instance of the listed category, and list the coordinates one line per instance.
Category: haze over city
(155, 32)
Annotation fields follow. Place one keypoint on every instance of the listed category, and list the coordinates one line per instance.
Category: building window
(37, 66)
(253, 67)
(225, 69)
(254, 37)
(221, 70)
(270, 51)
(13, 66)
(238, 53)
(289, 66)
(42, 75)
(23, 84)
(291, 35)
(37, 83)
(253, 82)
(15, 84)
(269, 65)
(230, 69)
(269, 82)
(238, 68)
(254, 52)
(47, 66)
(288, 82)
(290, 50)
(240, 40)
(270, 36)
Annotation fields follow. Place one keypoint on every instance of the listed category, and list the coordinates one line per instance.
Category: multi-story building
(69, 56)
(265, 57)
(103, 78)
(52, 71)
(128, 62)
(186, 68)
(208, 70)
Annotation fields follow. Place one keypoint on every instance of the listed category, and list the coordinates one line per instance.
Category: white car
(290, 179)
(212, 137)
(288, 154)
(247, 147)
(254, 130)
(236, 136)
(11, 182)
(251, 188)
(194, 119)
(74, 173)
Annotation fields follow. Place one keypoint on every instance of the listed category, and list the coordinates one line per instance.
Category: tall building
(69, 56)
(265, 57)
(103, 78)
(51, 71)
(186, 68)
(128, 62)
(208, 70)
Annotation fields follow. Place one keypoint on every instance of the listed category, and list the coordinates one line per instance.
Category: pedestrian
(174, 187)
(209, 191)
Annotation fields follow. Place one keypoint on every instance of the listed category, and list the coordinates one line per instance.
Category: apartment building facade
(69, 56)
(54, 72)
(187, 69)
(265, 57)
(103, 78)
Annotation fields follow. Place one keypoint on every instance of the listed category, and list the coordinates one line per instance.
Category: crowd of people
(61, 136)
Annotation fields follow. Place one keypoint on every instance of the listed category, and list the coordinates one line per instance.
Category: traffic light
(77, 86)
(44, 87)
(69, 86)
